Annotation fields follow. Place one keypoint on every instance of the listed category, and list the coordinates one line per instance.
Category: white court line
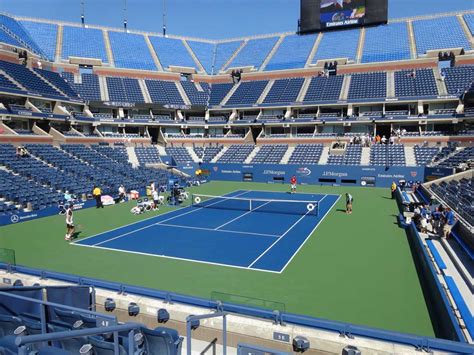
(309, 235)
(220, 230)
(242, 215)
(289, 229)
(158, 223)
(176, 258)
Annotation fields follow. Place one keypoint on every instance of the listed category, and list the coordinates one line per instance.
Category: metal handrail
(23, 341)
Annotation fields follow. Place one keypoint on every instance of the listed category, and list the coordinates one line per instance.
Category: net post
(250, 205)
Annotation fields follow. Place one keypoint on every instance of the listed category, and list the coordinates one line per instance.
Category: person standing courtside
(393, 189)
(97, 193)
(349, 200)
(70, 229)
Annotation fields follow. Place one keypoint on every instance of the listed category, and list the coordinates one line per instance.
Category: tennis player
(70, 229)
(293, 183)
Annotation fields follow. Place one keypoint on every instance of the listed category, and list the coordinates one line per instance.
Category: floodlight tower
(164, 17)
(82, 13)
(125, 15)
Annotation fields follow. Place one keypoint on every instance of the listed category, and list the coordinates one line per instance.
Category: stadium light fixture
(109, 305)
(300, 344)
(162, 316)
(133, 309)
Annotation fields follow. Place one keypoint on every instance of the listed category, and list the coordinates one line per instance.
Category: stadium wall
(439, 308)
(371, 176)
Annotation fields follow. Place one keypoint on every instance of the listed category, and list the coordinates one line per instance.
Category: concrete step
(390, 84)
(193, 154)
(232, 57)
(59, 44)
(346, 84)
(265, 91)
(161, 149)
(440, 84)
(132, 157)
(252, 155)
(303, 90)
(229, 94)
(411, 36)
(365, 158)
(104, 90)
(324, 156)
(288, 154)
(314, 50)
(219, 155)
(182, 93)
(272, 52)
(360, 47)
(410, 158)
(108, 48)
(156, 60)
(145, 92)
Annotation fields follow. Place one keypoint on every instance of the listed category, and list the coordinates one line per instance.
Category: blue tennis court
(257, 230)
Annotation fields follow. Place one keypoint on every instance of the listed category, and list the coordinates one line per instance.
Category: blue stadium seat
(284, 91)
(292, 53)
(338, 44)
(172, 52)
(324, 89)
(83, 42)
(131, 51)
(254, 53)
(306, 154)
(89, 89)
(439, 33)
(247, 93)
(366, 86)
(44, 34)
(224, 52)
(386, 43)
(423, 83)
(204, 52)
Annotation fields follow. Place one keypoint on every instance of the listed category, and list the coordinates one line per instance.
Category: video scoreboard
(319, 15)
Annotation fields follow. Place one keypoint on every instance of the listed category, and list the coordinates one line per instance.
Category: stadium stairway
(161, 150)
(391, 84)
(5, 74)
(365, 159)
(145, 92)
(219, 155)
(132, 157)
(410, 156)
(252, 155)
(323, 160)
(272, 52)
(104, 90)
(229, 94)
(265, 92)
(304, 89)
(412, 39)
(48, 83)
(440, 84)
(346, 84)
(195, 58)
(287, 155)
(108, 48)
(183, 93)
(59, 44)
(192, 154)
(154, 56)
(314, 50)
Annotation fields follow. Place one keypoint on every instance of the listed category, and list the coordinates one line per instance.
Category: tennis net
(256, 204)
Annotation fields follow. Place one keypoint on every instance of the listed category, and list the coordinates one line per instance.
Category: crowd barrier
(453, 339)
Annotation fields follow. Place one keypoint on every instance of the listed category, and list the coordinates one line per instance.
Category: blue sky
(213, 19)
